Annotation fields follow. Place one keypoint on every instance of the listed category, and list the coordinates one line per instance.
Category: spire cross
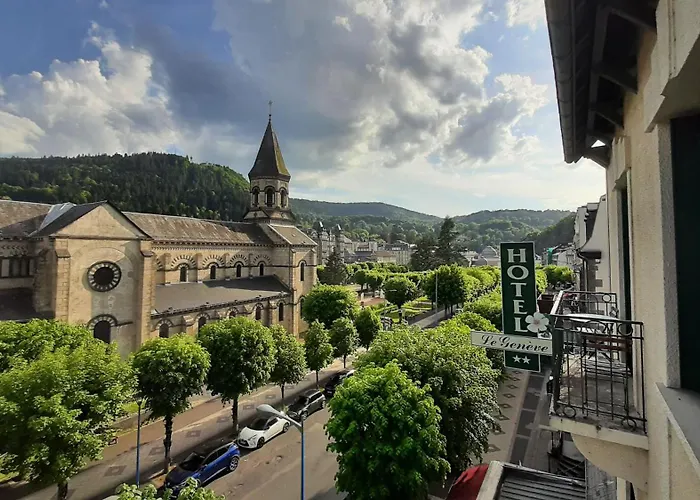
(269, 103)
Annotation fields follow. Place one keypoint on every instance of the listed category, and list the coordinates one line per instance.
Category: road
(273, 472)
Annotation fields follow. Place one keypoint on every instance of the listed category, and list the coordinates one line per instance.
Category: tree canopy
(290, 361)
(460, 380)
(242, 358)
(385, 431)
(368, 324)
(399, 289)
(57, 409)
(334, 272)
(191, 491)
(169, 371)
(343, 338)
(447, 251)
(326, 303)
(318, 348)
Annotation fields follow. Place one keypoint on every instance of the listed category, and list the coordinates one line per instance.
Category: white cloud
(526, 12)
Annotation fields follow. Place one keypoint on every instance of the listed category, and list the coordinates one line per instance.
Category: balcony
(598, 382)
(596, 360)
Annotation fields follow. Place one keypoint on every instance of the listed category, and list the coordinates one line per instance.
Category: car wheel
(233, 464)
(304, 415)
(285, 428)
(261, 442)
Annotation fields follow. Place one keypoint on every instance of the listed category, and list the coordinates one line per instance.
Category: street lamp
(138, 445)
(268, 411)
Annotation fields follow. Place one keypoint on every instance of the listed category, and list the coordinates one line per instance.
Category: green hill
(374, 209)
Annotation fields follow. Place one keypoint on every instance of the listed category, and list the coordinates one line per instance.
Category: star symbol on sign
(517, 358)
(526, 360)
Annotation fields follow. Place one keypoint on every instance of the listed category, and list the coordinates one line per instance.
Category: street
(273, 472)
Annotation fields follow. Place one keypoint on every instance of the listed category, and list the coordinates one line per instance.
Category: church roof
(21, 218)
(187, 296)
(269, 162)
(293, 235)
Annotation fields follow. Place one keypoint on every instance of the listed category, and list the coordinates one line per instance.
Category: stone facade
(132, 276)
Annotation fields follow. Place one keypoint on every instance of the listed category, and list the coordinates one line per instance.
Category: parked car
(260, 431)
(305, 404)
(335, 381)
(204, 464)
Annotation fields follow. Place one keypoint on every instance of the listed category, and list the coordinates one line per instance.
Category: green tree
(368, 324)
(290, 361)
(457, 375)
(57, 410)
(453, 286)
(361, 278)
(242, 358)
(326, 303)
(476, 322)
(191, 491)
(385, 431)
(447, 251)
(423, 258)
(334, 272)
(169, 371)
(375, 279)
(343, 338)
(399, 289)
(318, 348)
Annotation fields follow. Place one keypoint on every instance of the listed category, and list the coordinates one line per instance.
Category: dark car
(204, 464)
(305, 404)
(335, 381)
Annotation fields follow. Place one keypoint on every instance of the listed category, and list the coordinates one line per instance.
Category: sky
(446, 107)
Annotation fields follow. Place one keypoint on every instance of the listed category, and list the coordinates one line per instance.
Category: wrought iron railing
(597, 360)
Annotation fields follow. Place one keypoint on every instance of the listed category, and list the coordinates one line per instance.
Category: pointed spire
(269, 162)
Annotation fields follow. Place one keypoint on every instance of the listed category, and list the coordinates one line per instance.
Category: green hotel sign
(519, 292)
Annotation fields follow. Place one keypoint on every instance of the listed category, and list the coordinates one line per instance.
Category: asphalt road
(273, 472)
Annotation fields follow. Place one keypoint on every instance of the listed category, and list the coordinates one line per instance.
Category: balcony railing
(597, 358)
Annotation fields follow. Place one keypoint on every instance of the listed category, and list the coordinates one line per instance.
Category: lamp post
(138, 445)
(268, 411)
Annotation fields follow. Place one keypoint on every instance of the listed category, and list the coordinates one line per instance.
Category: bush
(488, 306)
(558, 275)
(541, 280)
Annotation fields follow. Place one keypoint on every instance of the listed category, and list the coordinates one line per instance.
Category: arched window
(103, 331)
(201, 322)
(262, 269)
(301, 305)
(258, 313)
(280, 312)
(270, 197)
(256, 196)
(283, 198)
(302, 268)
(239, 270)
(183, 274)
(164, 331)
(212, 272)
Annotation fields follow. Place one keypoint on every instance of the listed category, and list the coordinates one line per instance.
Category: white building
(627, 76)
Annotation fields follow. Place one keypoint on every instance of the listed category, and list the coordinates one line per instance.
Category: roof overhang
(594, 51)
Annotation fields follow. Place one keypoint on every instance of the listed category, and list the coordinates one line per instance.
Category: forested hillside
(173, 184)
(560, 233)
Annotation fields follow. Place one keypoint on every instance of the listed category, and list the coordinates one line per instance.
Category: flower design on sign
(537, 322)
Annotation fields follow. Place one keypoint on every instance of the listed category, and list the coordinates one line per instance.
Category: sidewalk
(200, 424)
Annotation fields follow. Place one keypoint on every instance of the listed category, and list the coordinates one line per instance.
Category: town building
(401, 252)
(332, 240)
(131, 277)
(488, 257)
(626, 377)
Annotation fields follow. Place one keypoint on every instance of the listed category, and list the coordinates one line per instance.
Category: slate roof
(20, 218)
(269, 162)
(293, 235)
(188, 296)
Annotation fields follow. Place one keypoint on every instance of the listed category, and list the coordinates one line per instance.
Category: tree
(423, 258)
(453, 286)
(319, 351)
(242, 358)
(326, 303)
(368, 324)
(290, 362)
(361, 278)
(375, 280)
(399, 289)
(343, 338)
(335, 272)
(385, 431)
(190, 492)
(57, 409)
(169, 371)
(446, 251)
(457, 375)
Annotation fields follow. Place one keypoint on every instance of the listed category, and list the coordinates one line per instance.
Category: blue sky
(441, 106)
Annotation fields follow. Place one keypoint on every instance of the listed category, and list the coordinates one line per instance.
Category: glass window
(280, 312)
(102, 331)
(256, 196)
(262, 269)
(258, 313)
(259, 424)
(239, 270)
(302, 268)
(212, 272)
(270, 197)
(183, 274)
(14, 269)
(193, 462)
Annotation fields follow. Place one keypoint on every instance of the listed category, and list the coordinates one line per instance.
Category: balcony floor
(593, 389)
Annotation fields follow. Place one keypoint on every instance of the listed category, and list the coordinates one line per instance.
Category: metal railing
(597, 360)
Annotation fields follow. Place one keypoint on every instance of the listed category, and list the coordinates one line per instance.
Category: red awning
(468, 484)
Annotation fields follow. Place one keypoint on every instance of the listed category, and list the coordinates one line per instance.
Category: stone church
(131, 277)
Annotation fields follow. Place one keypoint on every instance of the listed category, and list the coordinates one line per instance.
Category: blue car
(204, 465)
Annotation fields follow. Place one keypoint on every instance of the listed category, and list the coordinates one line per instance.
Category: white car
(261, 431)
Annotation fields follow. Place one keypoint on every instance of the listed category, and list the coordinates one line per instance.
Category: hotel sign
(516, 343)
(519, 292)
